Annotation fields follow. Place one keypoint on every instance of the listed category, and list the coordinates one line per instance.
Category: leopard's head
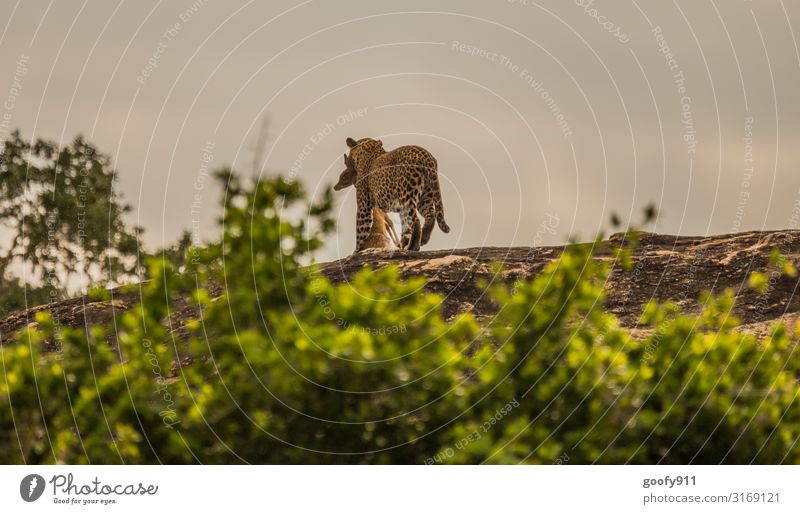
(363, 151)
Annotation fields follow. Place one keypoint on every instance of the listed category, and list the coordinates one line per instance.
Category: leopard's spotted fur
(404, 180)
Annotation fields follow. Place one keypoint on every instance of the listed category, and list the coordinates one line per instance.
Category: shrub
(290, 368)
(570, 386)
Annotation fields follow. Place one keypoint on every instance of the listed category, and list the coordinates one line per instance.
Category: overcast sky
(544, 116)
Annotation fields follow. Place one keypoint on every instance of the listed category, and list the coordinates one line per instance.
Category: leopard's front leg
(363, 218)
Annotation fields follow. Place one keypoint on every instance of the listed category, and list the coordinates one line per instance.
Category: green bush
(710, 394)
(571, 386)
(289, 368)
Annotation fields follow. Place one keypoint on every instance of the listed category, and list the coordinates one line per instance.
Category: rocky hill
(664, 267)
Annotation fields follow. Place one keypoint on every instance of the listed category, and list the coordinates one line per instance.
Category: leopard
(404, 180)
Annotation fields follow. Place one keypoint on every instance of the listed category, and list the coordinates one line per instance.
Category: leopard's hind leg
(411, 227)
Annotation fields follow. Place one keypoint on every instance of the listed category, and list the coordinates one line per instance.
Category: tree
(64, 219)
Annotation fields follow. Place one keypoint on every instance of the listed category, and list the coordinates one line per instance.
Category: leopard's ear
(351, 142)
(380, 143)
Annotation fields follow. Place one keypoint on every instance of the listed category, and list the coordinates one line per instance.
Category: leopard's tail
(436, 194)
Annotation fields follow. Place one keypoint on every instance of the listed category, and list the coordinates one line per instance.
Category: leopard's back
(399, 175)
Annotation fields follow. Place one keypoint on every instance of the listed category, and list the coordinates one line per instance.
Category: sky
(545, 117)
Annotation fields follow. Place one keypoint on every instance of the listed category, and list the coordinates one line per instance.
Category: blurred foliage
(694, 391)
(16, 295)
(289, 368)
(650, 215)
(779, 266)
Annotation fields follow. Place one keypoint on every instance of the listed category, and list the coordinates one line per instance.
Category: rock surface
(664, 267)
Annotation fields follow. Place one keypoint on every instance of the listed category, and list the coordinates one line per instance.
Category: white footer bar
(400, 489)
